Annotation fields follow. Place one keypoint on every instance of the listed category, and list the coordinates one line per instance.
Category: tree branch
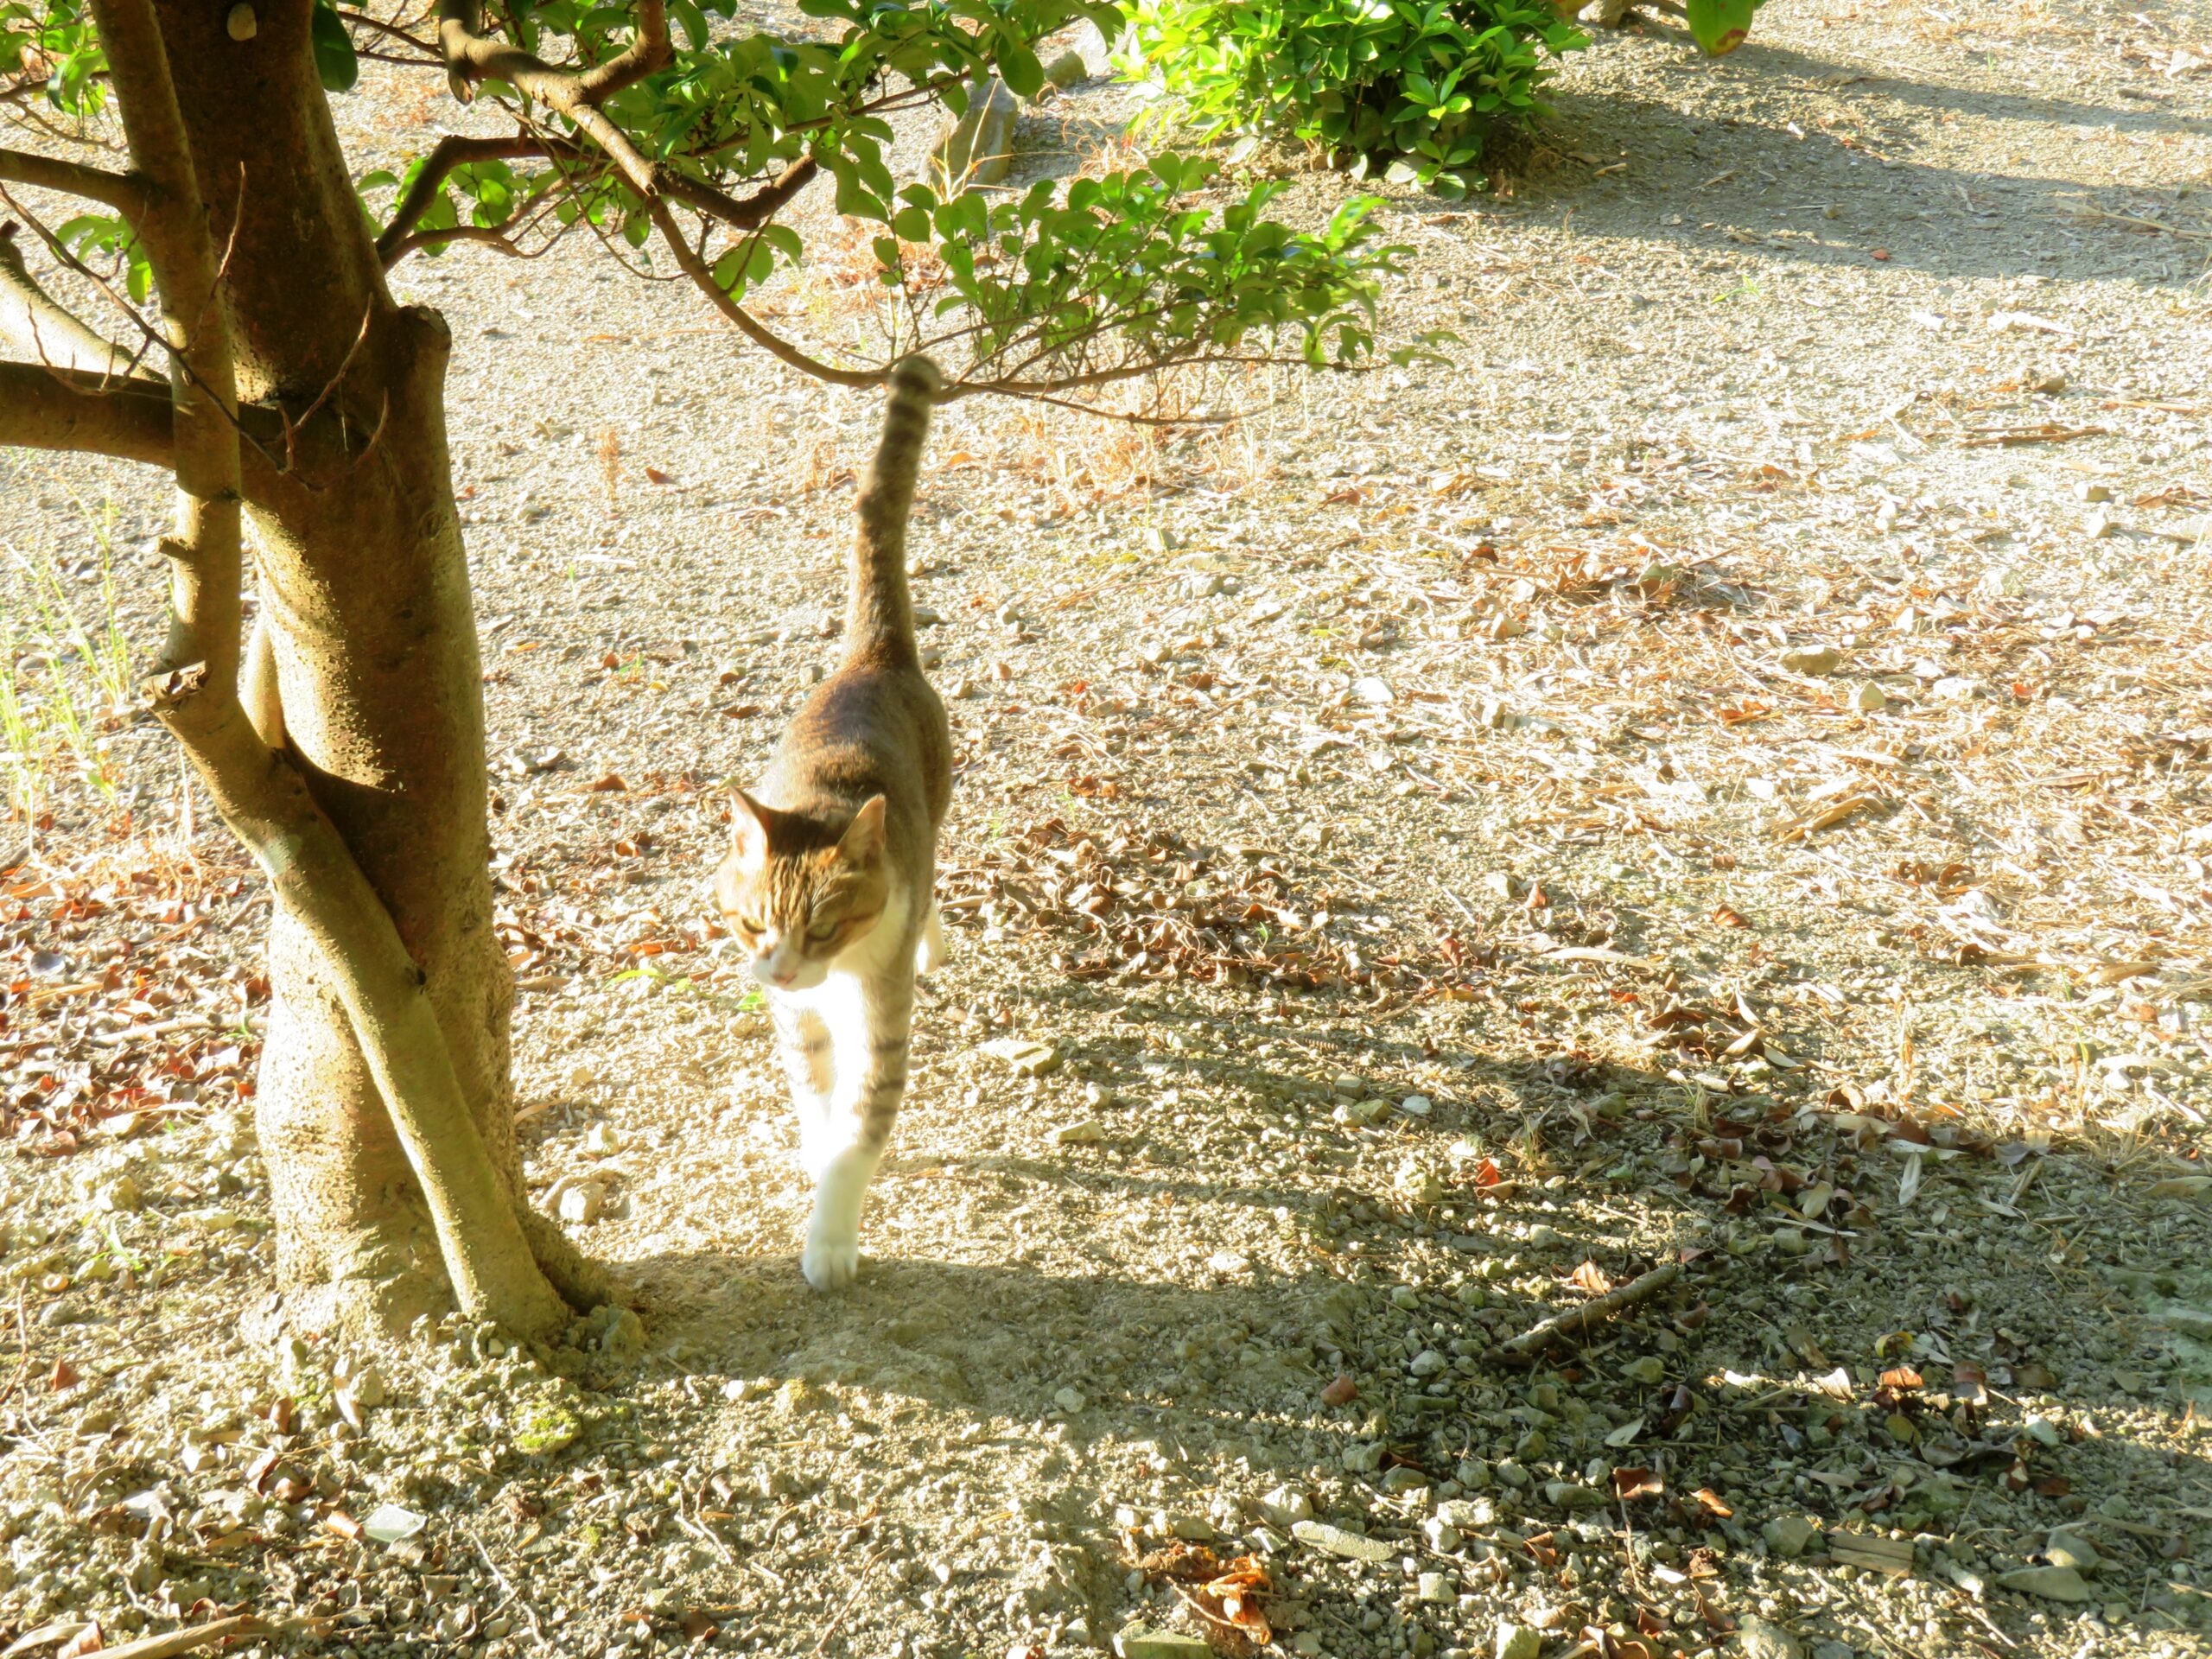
(42, 408)
(450, 152)
(575, 94)
(33, 322)
(120, 191)
(694, 266)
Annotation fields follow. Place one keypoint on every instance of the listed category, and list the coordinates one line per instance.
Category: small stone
(1416, 1106)
(240, 24)
(1403, 1478)
(1373, 690)
(1954, 687)
(1435, 1586)
(1573, 1495)
(1067, 70)
(1287, 1505)
(2051, 1583)
(367, 1387)
(601, 1141)
(2071, 1549)
(1869, 699)
(544, 1426)
(1335, 1540)
(1650, 1371)
(1070, 1400)
(1812, 659)
(582, 1203)
(1429, 1363)
(1088, 1132)
(1342, 1391)
(1518, 1642)
(1139, 1642)
(1755, 1638)
(2097, 525)
(388, 1524)
(1028, 1057)
(94, 1421)
(2094, 492)
(1790, 1536)
(977, 148)
(1229, 1261)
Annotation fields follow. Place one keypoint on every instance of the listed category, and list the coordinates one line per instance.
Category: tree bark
(370, 649)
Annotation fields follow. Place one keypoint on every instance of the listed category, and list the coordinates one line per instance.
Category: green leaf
(1720, 26)
(1018, 68)
(335, 65)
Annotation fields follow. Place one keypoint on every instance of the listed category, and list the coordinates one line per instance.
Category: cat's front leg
(847, 1142)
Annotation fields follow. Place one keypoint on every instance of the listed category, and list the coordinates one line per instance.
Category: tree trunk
(366, 671)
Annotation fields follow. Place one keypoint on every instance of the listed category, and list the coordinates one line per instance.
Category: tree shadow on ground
(1755, 1383)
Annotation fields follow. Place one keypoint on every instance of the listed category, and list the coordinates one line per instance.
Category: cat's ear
(748, 827)
(862, 842)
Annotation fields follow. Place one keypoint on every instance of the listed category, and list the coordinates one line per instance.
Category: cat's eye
(820, 932)
(751, 924)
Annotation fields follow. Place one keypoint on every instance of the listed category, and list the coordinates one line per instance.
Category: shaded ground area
(1716, 774)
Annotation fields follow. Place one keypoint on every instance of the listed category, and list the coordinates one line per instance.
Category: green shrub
(1418, 87)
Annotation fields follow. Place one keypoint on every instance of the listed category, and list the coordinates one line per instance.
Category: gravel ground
(1714, 775)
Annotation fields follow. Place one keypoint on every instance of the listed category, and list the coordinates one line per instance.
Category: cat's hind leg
(843, 1155)
(929, 950)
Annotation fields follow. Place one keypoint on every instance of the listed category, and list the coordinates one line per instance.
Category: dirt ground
(1714, 775)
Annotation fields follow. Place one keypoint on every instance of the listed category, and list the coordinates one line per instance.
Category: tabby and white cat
(830, 878)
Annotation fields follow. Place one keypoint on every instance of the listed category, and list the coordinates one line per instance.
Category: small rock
(1416, 1106)
(1342, 1391)
(1435, 1586)
(977, 148)
(388, 1524)
(2071, 1549)
(2094, 492)
(1755, 1638)
(1229, 1261)
(1028, 1057)
(2051, 1583)
(1139, 1642)
(1518, 1642)
(1790, 1536)
(1869, 699)
(118, 1197)
(1067, 70)
(1441, 1535)
(601, 1141)
(1429, 1363)
(582, 1203)
(1373, 690)
(1335, 1540)
(1403, 1478)
(1650, 1371)
(1070, 1400)
(367, 1387)
(1088, 1132)
(1287, 1505)
(1812, 659)
(2097, 525)
(1573, 1495)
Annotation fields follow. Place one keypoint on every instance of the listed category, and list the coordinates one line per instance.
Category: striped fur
(829, 882)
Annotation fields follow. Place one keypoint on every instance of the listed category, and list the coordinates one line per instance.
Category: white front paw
(830, 1263)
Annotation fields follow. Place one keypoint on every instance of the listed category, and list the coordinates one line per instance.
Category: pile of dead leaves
(1147, 904)
(1228, 1596)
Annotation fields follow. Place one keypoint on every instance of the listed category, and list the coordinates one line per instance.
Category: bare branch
(474, 57)
(694, 266)
(120, 191)
(450, 152)
(33, 322)
(43, 408)
(744, 212)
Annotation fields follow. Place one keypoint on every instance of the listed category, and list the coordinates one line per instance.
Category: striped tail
(879, 615)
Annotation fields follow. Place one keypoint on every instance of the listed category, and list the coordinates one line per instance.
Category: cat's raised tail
(879, 615)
